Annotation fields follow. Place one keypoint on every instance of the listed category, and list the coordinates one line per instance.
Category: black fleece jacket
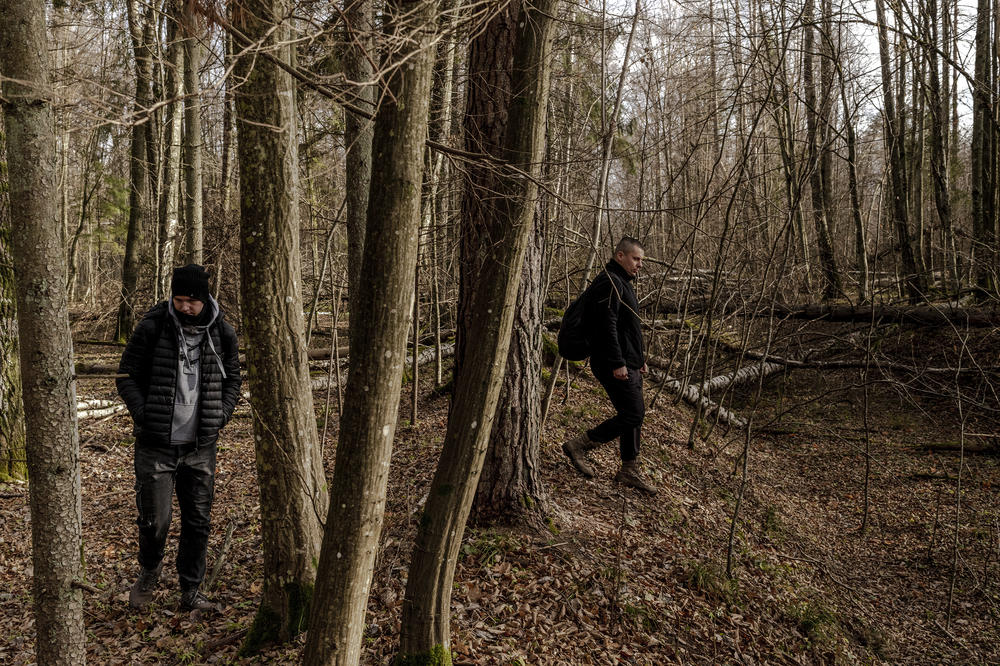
(150, 363)
(612, 317)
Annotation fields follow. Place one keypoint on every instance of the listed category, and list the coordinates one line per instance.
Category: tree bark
(193, 218)
(860, 235)
(378, 342)
(140, 28)
(897, 165)
(289, 463)
(170, 191)
(13, 459)
(508, 60)
(358, 133)
(510, 488)
(939, 169)
(983, 217)
(817, 121)
(46, 346)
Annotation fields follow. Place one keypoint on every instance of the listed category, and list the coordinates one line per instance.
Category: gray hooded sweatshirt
(190, 340)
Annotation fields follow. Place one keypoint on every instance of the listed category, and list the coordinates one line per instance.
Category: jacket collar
(616, 268)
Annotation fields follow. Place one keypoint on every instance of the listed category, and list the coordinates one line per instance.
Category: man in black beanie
(181, 380)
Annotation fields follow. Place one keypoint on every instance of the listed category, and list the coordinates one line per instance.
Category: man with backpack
(617, 359)
(180, 378)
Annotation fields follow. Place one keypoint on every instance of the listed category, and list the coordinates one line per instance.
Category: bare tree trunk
(289, 462)
(46, 346)
(88, 191)
(508, 79)
(225, 196)
(440, 131)
(193, 218)
(13, 460)
(983, 220)
(358, 132)
(510, 488)
(170, 191)
(817, 120)
(378, 342)
(939, 166)
(138, 222)
(860, 235)
(896, 165)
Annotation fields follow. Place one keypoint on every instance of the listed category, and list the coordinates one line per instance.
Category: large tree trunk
(508, 61)
(378, 344)
(13, 461)
(169, 204)
(510, 488)
(358, 133)
(46, 345)
(194, 226)
(939, 170)
(289, 464)
(984, 221)
(896, 165)
(136, 239)
(817, 120)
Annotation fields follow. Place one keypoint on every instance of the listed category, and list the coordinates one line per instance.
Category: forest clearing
(617, 578)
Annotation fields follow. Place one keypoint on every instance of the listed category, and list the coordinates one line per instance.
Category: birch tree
(140, 25)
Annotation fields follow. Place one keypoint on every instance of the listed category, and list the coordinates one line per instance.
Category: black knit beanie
(190, 281)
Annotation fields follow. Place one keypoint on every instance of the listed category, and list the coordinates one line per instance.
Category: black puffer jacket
(150, 361)
(612, 318)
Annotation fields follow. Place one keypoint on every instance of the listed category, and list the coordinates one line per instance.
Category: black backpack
(573, 342)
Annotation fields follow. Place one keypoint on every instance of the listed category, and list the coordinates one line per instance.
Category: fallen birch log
(95, 403)
(748, 373)
(694, 395)
(424, 357)
(94, 413)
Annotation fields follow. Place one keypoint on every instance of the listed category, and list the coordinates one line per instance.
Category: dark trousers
(159, 470)
(626, 396)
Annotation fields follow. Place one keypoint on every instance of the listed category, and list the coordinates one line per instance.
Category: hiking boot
(142, 590)
(630, 475)
(576, 450)
(193, 600)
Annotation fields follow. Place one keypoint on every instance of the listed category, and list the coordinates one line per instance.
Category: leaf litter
(620, 578)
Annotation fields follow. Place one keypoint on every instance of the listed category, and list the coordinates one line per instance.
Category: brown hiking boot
(193, 600)
(630, 475)
(576, 450)
(142, 590)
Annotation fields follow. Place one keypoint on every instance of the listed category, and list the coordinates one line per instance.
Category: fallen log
(760, 369)
(114, 408)
(693, 394)
(96, 369)
(946, 314)
(425, 356)
(854, 364)
(94, 403)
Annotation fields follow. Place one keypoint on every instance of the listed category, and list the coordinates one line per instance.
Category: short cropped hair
(627, 244)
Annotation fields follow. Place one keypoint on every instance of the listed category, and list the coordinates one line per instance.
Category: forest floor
(620, 578)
